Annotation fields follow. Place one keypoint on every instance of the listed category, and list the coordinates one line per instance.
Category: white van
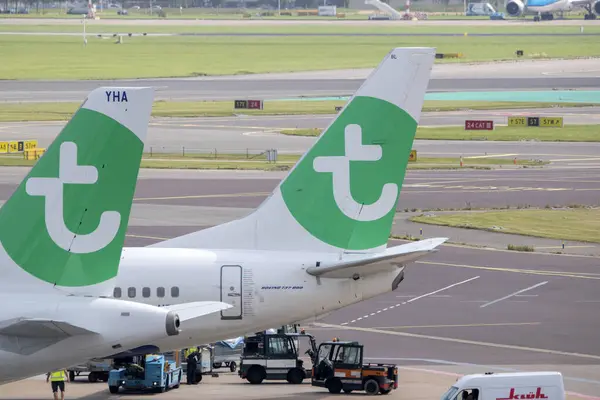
(508, 386)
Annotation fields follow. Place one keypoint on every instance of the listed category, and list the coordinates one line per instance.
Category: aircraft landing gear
(590, 14)
(543, 17)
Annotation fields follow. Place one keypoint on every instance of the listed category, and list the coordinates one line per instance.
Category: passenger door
(231, 291)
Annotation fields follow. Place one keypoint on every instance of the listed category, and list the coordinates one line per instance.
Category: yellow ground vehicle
(339, 366)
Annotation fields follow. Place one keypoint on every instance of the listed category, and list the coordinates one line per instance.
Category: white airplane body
(545, 9)
(319, 241)
(61, 237)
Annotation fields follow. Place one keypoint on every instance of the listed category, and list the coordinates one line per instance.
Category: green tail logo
(339, 167)
(344, 191)
(51, 189)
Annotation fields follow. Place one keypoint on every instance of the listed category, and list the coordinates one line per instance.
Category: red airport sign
(479, 125)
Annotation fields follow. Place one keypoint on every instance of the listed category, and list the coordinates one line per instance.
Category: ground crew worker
(57, 379)
(192, 366)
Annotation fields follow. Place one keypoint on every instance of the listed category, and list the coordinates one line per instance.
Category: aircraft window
(117, 293)
(146, 292)
(160, 292)
(174, 291)
(131, 292)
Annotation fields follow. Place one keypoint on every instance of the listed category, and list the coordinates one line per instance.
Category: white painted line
(442, 289)
(513, 294)
(344, 323)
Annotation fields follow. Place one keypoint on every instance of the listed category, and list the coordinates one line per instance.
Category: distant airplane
(545, 9)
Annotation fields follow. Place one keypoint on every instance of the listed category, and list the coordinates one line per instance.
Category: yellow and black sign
(13, 147)
(413, 155)
(30, 144)
(33, 154)
(517, 121)
(554, 122)
(3, 147)
(544, 122)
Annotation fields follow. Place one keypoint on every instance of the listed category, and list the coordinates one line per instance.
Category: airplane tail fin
(65, 224)
(342, 194)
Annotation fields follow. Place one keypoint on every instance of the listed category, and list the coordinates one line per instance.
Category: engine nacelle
(515, 8)
(596, 7)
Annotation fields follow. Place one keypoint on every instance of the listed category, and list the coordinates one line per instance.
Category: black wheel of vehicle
(371, 387)
(113, 389)
(385, 391)
(256, 374)
(93, 377)
(334, 385)
(217, 365)
(295, 376)
(232, 366)
(71, 376)
(198, 378)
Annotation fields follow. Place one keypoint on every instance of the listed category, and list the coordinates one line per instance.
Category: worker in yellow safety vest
(57, 379)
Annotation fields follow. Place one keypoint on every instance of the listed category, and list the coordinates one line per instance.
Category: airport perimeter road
(255, 134)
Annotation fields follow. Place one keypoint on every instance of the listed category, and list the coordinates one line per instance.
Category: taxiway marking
(513, 294)
(457, 326)
(204, 196)
(462, 341)
(409, 301)
(579, 275)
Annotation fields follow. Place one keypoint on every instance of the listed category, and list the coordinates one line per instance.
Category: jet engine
(515, 8)
(596, 7)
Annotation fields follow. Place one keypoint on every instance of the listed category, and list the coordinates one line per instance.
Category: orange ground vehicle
(339, 367)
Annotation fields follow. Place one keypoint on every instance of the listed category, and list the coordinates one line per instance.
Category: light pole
(84, 36)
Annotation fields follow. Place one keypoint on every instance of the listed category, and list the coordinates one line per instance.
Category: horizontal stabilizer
(197, 309)
(27, 336)
(373, 263)
(41, 328)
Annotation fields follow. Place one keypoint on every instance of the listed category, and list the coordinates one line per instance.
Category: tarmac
(255, 134)
(577, 74)
(446, 315)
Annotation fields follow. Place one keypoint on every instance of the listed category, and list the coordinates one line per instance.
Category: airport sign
(479, 125)
(248, 104)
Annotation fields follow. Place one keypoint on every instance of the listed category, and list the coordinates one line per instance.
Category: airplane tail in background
(65, 224)
(342, 194)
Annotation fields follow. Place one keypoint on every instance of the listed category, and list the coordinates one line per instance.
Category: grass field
(21, 112)
(258, 162)
(569, 133)
(46, 57)
(567, 224)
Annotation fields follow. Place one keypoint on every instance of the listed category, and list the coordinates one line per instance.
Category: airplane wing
(197, 309)
(377, 262)
(25, 336)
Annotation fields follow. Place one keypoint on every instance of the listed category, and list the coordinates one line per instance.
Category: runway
(519, 75)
